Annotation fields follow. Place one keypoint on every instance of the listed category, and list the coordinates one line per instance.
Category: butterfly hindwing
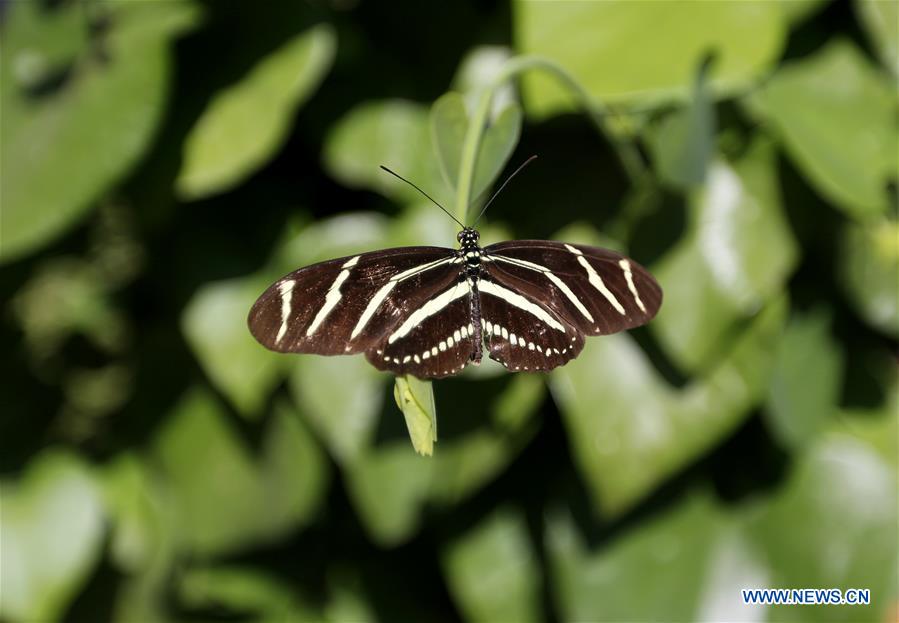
(347, 305)
(434, 340)
(597, 290)
(521, 332)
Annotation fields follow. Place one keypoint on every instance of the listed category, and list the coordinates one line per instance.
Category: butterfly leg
(477, 343)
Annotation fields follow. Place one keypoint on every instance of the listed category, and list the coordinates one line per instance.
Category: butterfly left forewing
(344, 306)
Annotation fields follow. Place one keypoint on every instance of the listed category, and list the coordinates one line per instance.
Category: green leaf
(347, 598)
(449, 122)
(878, 425)
(266, 597)
(215, 325)
(217, 486)
(842, 500)
(466, 463)
(879, 19)
(52, 529)
(243, 590)
(349, 233)
(45, 43)
(684, 141)
(806, 380)
(209, 473)
(797, 11)
(142, 544)
(247, 122)
(687, 563)
(389, 485)
(396, 133)
(341, 398)
(293, 472)
(738, 252)
(647, 430)
(478, 70)
(109, 110)
(492, 570)
(835, 115)
(662, 43)
(867, 269)
(393, 133)
(415, 398)
(140, 536)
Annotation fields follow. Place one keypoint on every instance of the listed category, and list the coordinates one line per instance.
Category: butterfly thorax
(471, 252)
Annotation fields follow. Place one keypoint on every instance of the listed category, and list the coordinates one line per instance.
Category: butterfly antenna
(508, 179)
(398, 176)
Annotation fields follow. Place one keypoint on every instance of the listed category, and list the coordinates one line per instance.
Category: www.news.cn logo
(807, 596)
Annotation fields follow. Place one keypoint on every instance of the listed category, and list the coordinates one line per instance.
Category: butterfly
(431, 311)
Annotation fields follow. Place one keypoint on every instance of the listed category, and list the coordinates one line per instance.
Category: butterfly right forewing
(597, 290)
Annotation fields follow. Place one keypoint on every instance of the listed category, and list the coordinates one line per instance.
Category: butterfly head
(468, 238)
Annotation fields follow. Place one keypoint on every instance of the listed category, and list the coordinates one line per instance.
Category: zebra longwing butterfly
(430, 311)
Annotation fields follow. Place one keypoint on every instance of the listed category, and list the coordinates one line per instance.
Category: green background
(164, 161)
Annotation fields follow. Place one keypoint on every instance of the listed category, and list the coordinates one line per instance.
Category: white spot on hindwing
(446, 344)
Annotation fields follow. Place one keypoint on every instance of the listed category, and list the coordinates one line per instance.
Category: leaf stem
(629, 156)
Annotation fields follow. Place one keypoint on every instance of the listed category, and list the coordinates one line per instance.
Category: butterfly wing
(547, 296)
(435, 338)
(521, 331)
(597, 290)
(349, 305)
(410, 310)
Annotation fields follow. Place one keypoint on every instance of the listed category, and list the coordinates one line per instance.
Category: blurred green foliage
(163, 162)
